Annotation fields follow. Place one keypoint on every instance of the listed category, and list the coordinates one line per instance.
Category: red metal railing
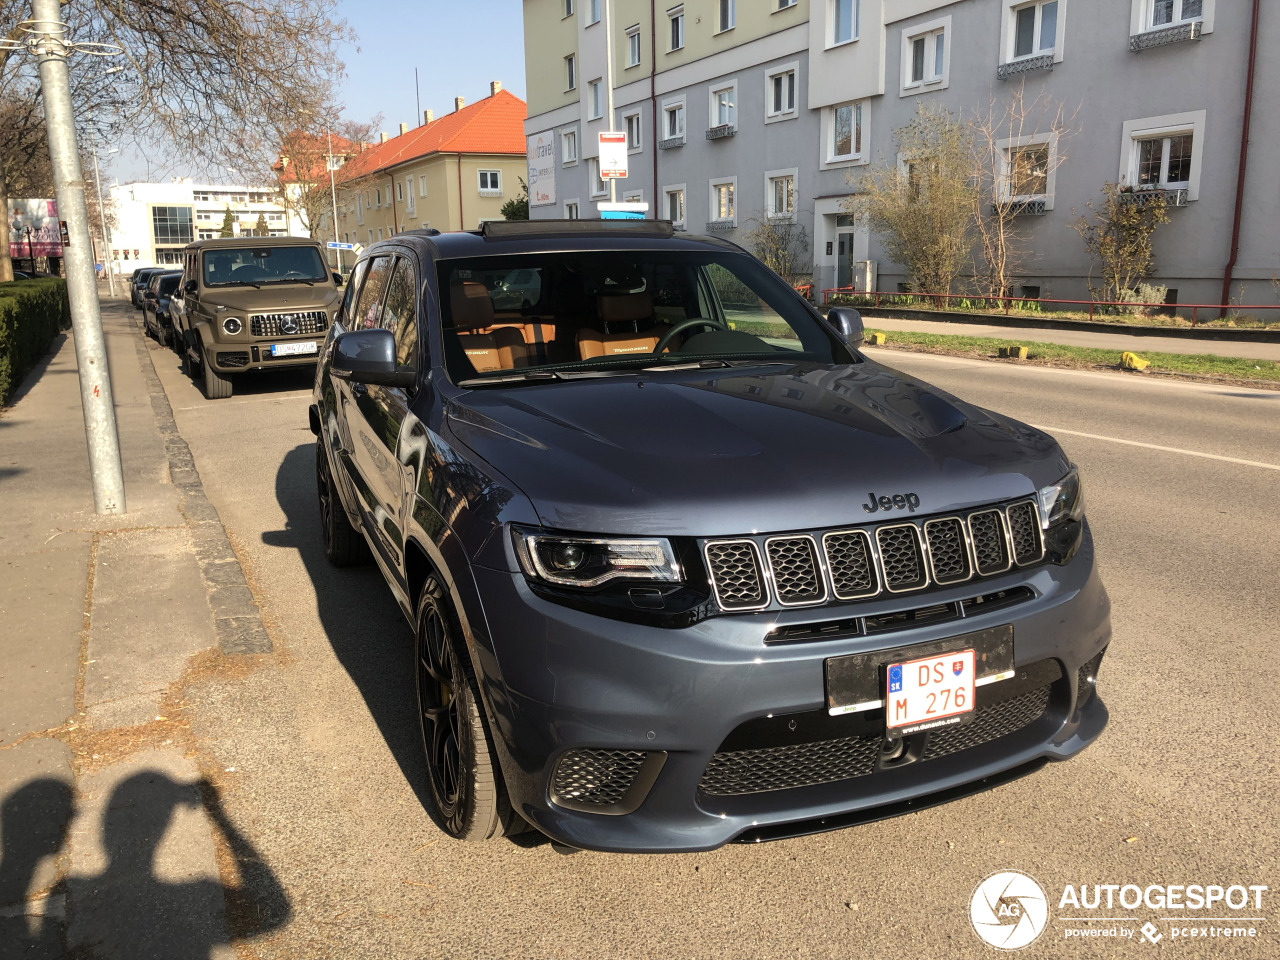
(941, 300)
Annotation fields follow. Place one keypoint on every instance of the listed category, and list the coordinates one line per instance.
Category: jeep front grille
(596, 778)
(281, 324)
(855, 564)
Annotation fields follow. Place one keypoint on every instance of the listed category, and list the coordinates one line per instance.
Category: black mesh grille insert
(794, 563)
(853, 574)
(784, 768)
(1024, 529)
(599, 778)
(991, 723)
(233, 359)
(948, 552)
(735, 572)
(1085, 680)
(287, 324)
(989, 547)
(900, 557)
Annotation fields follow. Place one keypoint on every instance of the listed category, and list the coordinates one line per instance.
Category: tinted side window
(369, 307)
(399, 314)
(353, 290)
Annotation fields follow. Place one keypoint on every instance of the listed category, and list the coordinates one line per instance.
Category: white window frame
(1144, 14)
(1004, 150)
(861, 121)
(711, 200)
(576, 210)
(595, 99)
(713, 115)
(1168, 125)
(770, 115)
(675, 19)
(831, 40)
(565, 134)
(1009, 33)
(595, 186)
(409, 204)
(672, 104)
(634, 52)
(723, 7)
(400, 192)
(489, 191)
(626, 125)
(783, 5)
(769, 177)
(568, 9)
(422, 186)
(593, 12)
(931, 80)
(571, 72)
(665, 212)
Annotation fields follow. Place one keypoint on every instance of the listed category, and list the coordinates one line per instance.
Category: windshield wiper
(309, 283)
(531, 376)
(710, 363)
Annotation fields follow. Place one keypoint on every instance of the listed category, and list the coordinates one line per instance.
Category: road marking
(1156, 446)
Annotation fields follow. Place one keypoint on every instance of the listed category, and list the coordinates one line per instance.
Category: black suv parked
(685, 566)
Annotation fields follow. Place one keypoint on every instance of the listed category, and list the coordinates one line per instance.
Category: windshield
(255, 266)
(169, 284)
(624, 309)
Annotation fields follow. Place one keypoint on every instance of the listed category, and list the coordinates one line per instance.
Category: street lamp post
(333, 189)
(102, 215)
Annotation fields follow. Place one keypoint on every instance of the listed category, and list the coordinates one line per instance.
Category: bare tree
(300, 172)
(922, 203)
(1120, 237)
(782, 243)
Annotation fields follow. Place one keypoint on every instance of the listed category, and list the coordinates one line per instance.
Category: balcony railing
(1020, 208)
(719, 226)
(1165, 35)
(1169, 197)
(724, 130)
(670, 143)
(1017, 68)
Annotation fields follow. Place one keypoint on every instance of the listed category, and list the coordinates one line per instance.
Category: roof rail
(512, 229)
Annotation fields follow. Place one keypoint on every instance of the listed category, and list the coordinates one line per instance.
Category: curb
(1078, 326)
(236, 617)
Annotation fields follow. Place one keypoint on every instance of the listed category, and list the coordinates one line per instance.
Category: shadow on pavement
(126, 910)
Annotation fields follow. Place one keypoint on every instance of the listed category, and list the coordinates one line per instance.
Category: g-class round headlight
(232, 326)
(591, 561)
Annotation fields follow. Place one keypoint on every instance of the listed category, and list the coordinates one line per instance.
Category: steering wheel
(681, 327)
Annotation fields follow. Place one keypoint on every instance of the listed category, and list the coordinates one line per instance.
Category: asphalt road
(1181, 788)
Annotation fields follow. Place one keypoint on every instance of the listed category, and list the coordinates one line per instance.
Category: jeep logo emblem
(899, 501)
(289, 323)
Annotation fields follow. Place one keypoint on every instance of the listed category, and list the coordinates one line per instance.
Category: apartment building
(451, 173)
(741, 110)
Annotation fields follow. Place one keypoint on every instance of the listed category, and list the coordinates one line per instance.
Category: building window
(400, 192)
(1168, 12)
(595, 105)
(926, 56)
(780, 193)
(593, 12)
(675, 120)
(723, 204)
(675, 17)
(844, 16)
(844, 132)
(371, 236)
(783, 4)
(422, 186)
(723, 111)
(726, 19)
(571, 210)
(633, 46)
(569, 147)
(598, 187)
(1026, 171)
(780, 92)
(379, 233)
(171, 225)
(673, 204)
(568, 8)
(1164, 162)
(490, 183)
(632, 121)
(1035, 29)
(571, 72)
(1163, 153)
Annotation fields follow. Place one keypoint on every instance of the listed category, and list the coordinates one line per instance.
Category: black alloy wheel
(343, 545)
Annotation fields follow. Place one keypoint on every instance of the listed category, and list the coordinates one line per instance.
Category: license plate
(930, 692)
(293, 349)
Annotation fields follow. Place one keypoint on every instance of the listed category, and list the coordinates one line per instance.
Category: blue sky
(458, 46)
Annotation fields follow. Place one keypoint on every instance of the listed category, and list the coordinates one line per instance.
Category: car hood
(285, 297)
(737, 451)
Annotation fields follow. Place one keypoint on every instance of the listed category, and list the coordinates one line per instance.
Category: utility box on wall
(865, 276)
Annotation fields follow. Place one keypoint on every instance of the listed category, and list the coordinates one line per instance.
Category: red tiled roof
(312, 149)
(492, 125)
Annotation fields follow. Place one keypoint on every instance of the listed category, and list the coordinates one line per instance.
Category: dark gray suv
(686, 567)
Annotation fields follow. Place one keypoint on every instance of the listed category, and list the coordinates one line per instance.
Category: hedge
(32, 312)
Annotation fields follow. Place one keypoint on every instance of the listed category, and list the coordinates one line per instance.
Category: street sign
(340, 246)
(613, 155)
(622, 211)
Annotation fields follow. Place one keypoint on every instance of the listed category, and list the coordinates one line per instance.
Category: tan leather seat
(487, 346)
(634, 309)
(473, 310)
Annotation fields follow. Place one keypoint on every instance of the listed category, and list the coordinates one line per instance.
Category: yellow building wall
(753, 19)
(549, 37)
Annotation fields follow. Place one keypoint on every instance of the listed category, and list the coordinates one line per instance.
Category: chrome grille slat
(851, 564)
(1024, 532)
(948, 542)
(901, 557)
(793, 565)
(272, 324)
(737, 575)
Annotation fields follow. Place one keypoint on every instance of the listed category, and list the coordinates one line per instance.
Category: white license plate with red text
(931, 692)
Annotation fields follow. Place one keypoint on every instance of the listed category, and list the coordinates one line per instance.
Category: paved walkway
(1108, 341)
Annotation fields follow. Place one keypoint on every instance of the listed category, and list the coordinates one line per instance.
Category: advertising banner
(46, 233)
(542, 168)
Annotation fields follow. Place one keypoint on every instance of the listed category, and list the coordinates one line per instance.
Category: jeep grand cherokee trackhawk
(685, 567)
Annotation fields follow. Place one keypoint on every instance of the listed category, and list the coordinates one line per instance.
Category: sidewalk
(100, 620)
(1119, 342)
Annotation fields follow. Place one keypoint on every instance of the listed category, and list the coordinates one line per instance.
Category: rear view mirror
(369, 356)
(849, 322)
(190, 286)
(337, 279)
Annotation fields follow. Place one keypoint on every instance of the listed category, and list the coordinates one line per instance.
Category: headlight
(1063, 500)
(591, 561)
(232, 326)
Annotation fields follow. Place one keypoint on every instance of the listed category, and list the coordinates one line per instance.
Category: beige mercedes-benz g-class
(252, 303)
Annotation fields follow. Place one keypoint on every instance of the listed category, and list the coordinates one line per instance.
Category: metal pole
(608, 61)
(102, 215)
(86, 321)
(333, 190)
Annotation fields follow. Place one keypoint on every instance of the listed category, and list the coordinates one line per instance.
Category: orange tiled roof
(312, 149)
(492, 125)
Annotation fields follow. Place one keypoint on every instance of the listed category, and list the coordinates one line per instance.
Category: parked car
(156, 299)
(141, 277)
(684, 565)
(252, 304)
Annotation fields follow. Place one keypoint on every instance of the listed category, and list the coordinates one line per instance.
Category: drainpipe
(1244, 163)
(462, 223)
(395, 224)
(653, 97)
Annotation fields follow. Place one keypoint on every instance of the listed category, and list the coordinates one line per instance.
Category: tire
(468, 796)
(343, 544)
(216, 386)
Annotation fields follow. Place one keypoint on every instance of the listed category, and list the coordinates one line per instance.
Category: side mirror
(337, 279)
(191, 286)
(849, 322)
(369, 356)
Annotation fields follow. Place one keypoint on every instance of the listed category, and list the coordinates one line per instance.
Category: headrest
(627, 308)
(470, 304)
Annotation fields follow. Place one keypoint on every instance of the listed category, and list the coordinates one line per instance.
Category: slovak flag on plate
(957, 667)
(895, 678)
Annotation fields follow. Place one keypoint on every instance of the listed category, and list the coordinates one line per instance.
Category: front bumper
(567, 681)
(237, 357)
